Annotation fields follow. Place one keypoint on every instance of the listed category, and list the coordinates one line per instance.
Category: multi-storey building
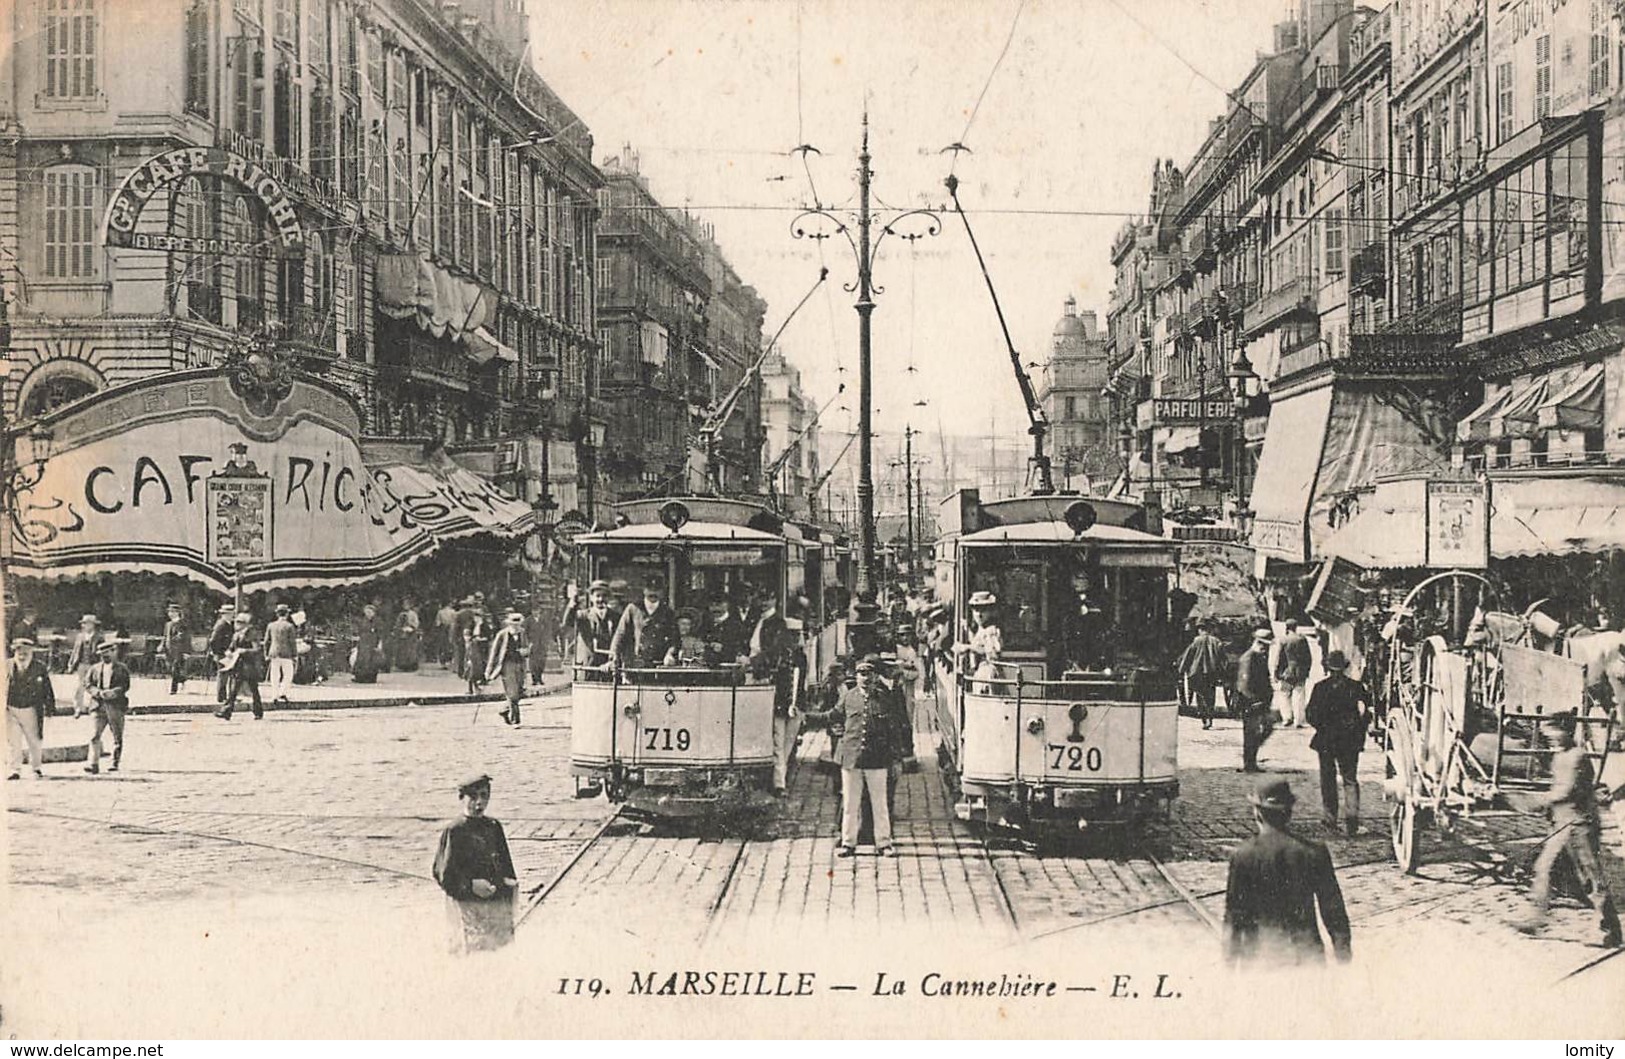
(1082, 441)
(790, 425)
(384, 195)
(734, 344)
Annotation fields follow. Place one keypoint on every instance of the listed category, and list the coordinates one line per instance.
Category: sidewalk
(430, 685)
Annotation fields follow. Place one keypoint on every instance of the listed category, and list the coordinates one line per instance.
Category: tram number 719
(667, 739)
(1072, 757)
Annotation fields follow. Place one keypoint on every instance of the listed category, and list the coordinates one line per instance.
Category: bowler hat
(479, 779)
(1272, 793)
(983, 599)
(1336, 660)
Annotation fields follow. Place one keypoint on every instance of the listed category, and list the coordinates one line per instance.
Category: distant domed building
(1082, 447)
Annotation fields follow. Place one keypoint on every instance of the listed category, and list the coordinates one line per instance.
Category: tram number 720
(1072, 757)
(667, 739)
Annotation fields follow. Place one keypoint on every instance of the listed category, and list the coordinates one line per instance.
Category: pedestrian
(107, 685)
(176, 642)
(83, 656)
(29, 700)
(26, 627)
(590, 625)
(1253, 698)
(1202, 667)
(281, 649)
(225, 627)
(1339, 709)
(444, 621)
(509, 657)
(861, 721)
(474, 868)
(910, 669)
(1576, 832)
(367, 658)
(477, 635)
(1292, 668)
(647, 634)
(408, 637)
(459, 636)
(777, 657)
(244, 667)
(1277, 880)
(543, 629)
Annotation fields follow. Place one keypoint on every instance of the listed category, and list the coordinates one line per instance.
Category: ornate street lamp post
(861, 630)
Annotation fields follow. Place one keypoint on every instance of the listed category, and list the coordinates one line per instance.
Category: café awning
(1577, 406)
(1516, 417)
(445, 305)
(214, 473)
(1287, 469)
(1475, 426)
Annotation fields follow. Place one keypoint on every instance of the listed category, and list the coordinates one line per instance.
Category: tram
(1074, 723)
(694, 738)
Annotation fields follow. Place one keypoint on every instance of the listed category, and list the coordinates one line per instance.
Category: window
(1600, 47)
(285, 26)
(322, 279)
(284, 113)
(1071, 408)
(198, 86)
(316, 33)
(1334, 242)
(199, 273)
(605, 275)
(349, 159)
(70, 34)
(321, 132)
(1504, 127)
(70, 222)
(248, 83)
(1543, 76)
(248, 271)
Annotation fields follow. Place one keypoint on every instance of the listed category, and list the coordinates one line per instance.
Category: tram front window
(1021, 613)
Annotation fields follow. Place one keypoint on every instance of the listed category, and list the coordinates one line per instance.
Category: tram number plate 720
(1072, 757)
(667, 739)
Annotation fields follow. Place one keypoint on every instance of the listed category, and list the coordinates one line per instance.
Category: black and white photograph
(740, 519)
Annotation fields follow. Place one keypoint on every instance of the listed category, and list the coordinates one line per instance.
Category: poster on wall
(239, 518)
(1458, 534)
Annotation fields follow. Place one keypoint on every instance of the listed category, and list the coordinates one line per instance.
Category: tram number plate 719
(667, 739)
(1072, 757)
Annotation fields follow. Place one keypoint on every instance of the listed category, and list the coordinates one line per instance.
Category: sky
(713, 95)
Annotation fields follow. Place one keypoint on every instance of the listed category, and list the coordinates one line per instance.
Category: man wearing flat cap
(1339, 708)
(1253, 698)
(591, 624)
(107, 686)
(473, 866)
(1277, 880)
(29, 699)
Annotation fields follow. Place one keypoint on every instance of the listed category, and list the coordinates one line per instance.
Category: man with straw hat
(29, 699)
(107, 685)
(508, 657)
(1276, 882)
(83, 656)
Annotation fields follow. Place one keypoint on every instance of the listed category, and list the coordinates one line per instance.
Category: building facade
(790, 425)
(1083, 445)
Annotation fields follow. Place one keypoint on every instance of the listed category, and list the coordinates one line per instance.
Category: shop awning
(410, 286)
(1475, 426)
(483, 347)
(1577, 406)
(1287, 469)
(206, 475)
(1516, 418)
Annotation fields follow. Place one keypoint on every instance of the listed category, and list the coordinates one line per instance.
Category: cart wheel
(1402, 825)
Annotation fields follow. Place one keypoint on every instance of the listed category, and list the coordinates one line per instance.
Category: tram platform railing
(696, 676)
(1136, 685)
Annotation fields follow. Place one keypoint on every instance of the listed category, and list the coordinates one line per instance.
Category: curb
(184, 708)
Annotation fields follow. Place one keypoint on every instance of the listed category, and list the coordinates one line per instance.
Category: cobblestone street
(313, 831)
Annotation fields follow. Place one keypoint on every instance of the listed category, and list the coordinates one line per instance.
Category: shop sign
(1280, 538)
(569, 528)
(119, 226)
(1458, 525)
(727, 556)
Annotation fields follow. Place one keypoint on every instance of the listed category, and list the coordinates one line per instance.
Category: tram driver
(648, 633)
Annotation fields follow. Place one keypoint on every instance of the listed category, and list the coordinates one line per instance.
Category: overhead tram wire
(977, 108)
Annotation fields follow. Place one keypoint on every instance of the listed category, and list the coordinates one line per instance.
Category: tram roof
(1059, 532)
(706, 532)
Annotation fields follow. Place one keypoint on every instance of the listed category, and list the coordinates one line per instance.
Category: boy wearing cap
(107, 685)
(473, 866)
(1276, 881)
(510, 650)
(1338, 709)
(1253, 696)
(1576, 832)
(29, 698)
(83, 656)
(281, 652)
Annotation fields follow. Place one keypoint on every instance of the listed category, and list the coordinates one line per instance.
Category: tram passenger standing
(1338, 709)
(1253, 698)
(592, 625)
(1201, 667)
(727, 640)
(775, 655)
(983, 641)
(647, 634)
(868, 746)
(1276, 881)
(1576, 833)
(1292, 670)
(474, 868)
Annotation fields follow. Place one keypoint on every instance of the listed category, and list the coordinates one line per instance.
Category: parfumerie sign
(160, 171)
(1190, 410)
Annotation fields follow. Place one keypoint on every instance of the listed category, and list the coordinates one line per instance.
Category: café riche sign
(199, 474)
(121, 227)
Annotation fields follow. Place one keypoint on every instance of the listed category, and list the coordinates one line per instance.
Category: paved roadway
(256, 868)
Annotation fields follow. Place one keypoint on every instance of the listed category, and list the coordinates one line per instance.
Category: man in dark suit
(29, 700)
(107, 685)
(219, 643)
(726, 638)
(592, 625)
(1292, 668)
(649, 634)
(865, 722)
(174, 646)
(1277, 880)
(249, 666)
(1338, 709)
(1253, 695)
(1202, 668)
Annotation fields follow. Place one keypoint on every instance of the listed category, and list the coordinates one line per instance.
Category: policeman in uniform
(864, 720)
(1277, 880)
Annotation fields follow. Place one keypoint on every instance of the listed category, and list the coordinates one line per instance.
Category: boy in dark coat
(473, 866)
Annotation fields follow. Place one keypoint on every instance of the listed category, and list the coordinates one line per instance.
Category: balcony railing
(1306, 355)
(1294, 297)
(311, 331)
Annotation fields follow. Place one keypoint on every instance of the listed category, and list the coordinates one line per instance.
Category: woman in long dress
(369, 647)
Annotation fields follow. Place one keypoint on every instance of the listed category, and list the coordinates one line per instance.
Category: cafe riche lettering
(132, 491)
(121, 225)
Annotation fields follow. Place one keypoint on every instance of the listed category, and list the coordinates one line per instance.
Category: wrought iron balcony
(312, 332)
(1295, 297)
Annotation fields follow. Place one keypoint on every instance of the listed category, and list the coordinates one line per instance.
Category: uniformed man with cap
(474, 868)
(107, 686)
(1253, 698)
(864, 722)
(1277, 881)
(174, 646)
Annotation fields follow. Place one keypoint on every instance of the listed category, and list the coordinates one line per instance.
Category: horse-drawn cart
(1463, 712)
